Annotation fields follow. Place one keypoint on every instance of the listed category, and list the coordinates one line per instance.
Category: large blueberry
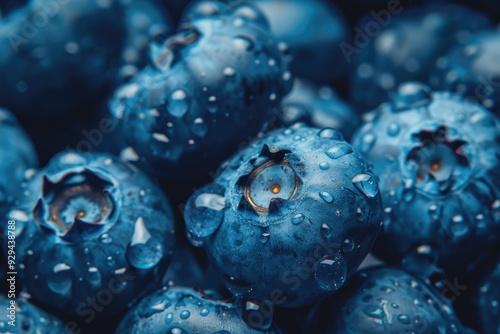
(437, 157)
(18, 316)
(91, 229)
(209, 87)
(384, 300)
(58, 54)
(179, 310)
(392, 49)
(318, 106)
(313, 31)
(288, 218)
(473, 70)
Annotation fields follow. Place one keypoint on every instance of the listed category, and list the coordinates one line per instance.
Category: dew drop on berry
(324, 165)
(339, 150)
(374, 311)
(178, 105)
(404, 319)
(169, 318)
(331, 273)
(458, 226)
(94, 277)
(329, 133)
(366, 183)
(144, 251)
(348, 246)
(204, 312)
(60, 279)
(298, 218)
(326, 231)
(326, 196)
(105, 238)
(421, 261)
(204, 213)
(264, 238)
(367, 142)
(393, 129)
(176, 330)
(243, 43)
(184, 314)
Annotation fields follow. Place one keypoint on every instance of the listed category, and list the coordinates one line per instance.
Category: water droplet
(229, 71)
(373, 311)
(298, 218)
(326, 231)
(169, 317)
(94, 277)
(411, 95)
(331, 273)
(404, 319)
(360, 216)
(421, 261)
(329, 133)
(339, 150)
(60, 279)
(199, 127)
(367, 142)
(264, 238)
(185, 314)
(348, 246)
(434, 212)
(393, 129)
(204, 312)
(243, 43)
(178, 105)
(408, 194)
(144, 251)
(212, 105)
(324, 165)
(367, 184)
(459, 227)
(105, 238)
(326, 196)
(204, 213)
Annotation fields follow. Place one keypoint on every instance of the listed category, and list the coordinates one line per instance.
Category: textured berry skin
(384, 300)
(313, 47)
(487, 299)
(320, 107)
(57, 55)
(29, 319)
(184, 310)
(288, 218)
(17, 155)
(472, 70)
(146, 21)
(408, 48)
(88, 224)
(210, 87)
(437, 157)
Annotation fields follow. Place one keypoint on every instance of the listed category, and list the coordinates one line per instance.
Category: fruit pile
(249, 166)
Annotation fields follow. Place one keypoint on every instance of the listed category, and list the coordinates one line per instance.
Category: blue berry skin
(29, 319)
(472, 70)
(184, 310)
(289, 218)
(209, 87)
(437, 157)
(314, 47)
(320, 107)
(407, 49)
(17, 157)
(487, 300)
(146, 21)
(384, 300)
(58, 54)
(91, 223)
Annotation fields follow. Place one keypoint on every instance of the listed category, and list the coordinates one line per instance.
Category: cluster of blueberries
(263, 168)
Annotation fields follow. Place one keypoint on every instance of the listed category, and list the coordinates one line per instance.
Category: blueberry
(289, 217)
(384, 300)
(17, 159)
(406, 49)
(91, 229)
(313, 47)
(146, 21)
(472, 70)
(183, 310)
(58, 54)
(437, 157)
(209, 87)
(487, 300)
(318, 106)
(18, 316)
